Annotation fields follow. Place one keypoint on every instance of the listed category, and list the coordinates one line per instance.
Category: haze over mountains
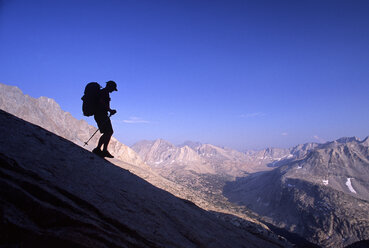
(316, 191)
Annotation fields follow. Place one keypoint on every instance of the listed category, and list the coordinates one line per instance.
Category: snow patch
(325, 182)
(349, 185)
(299, 167)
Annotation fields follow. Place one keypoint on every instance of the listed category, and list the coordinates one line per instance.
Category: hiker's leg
(104, 124)
(101, 142)
(107, 140)
(108, 133)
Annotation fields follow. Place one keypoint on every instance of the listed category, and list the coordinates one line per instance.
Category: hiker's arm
(106, 105)
(105, 102)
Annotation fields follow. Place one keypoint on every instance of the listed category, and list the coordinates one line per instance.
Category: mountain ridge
(325, 193)
(222, 160)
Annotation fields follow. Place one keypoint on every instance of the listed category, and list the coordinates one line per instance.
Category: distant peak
(366, 141)
(10, 88)
(162, 142)
(347, 140)
(192, 144)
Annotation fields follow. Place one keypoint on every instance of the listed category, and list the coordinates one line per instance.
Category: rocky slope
(323, 196)
(55, 194)
(46, 113)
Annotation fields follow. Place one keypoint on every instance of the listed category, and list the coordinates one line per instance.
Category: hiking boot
(98, 152)
(107, 154)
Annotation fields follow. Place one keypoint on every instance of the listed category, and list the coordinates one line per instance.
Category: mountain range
(324, 195)
(210, 159)
(318, 191)
(312, 194)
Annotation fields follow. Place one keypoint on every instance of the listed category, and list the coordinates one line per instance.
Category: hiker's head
(111, 86)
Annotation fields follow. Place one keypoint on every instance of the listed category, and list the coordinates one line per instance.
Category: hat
(112, 84)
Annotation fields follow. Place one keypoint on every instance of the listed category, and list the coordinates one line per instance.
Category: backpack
(90, 98)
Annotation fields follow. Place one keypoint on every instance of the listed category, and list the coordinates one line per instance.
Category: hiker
(103, 119)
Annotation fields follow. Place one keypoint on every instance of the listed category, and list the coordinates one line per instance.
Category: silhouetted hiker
(103, 119)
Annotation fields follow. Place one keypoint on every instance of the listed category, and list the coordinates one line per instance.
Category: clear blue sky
(241, 74)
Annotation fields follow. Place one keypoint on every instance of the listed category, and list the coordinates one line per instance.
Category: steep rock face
(46, 113)
(323, 197)
(55, 194)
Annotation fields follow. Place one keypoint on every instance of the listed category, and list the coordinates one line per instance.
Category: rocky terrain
(46, 113)
(323, 196)
(313, 191)
(317, 191)
(53, 193)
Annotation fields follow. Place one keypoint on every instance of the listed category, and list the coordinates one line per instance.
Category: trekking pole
(86, 143)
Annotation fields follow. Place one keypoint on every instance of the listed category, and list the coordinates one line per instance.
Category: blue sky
(241, 74)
